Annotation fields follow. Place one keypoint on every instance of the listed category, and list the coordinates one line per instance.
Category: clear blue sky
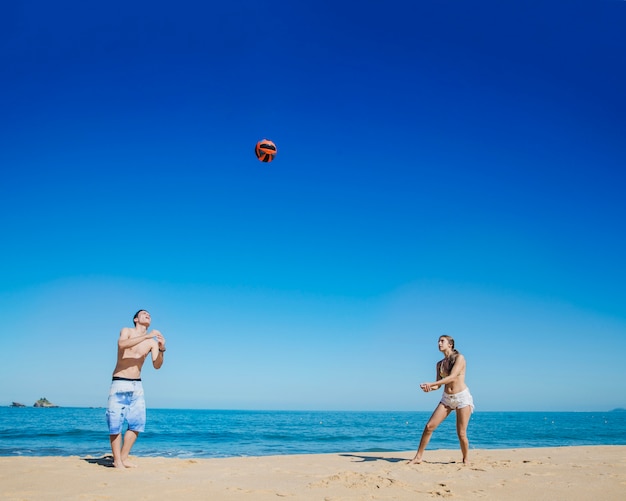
(443, 167)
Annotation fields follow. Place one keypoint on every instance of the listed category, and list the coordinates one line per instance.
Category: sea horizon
(234, 409)
(207, 433)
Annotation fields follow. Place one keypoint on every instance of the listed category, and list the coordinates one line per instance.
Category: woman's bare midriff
(456, 386)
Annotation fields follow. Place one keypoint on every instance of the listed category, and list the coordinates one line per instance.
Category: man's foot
(415, 460)
(128, 464)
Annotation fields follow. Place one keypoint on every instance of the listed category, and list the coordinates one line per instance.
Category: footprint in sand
(353, 480)
(443, 492)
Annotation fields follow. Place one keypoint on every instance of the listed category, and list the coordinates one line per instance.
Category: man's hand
(160, 339)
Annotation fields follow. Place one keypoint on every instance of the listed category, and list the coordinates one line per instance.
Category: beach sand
(572, 473)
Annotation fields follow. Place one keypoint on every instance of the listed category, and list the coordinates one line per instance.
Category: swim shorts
(126, 403)
(458, 400)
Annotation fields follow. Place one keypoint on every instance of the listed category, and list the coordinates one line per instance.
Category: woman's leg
(462, 420)
(440, 413)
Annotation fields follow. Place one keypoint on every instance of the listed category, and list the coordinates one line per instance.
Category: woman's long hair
(448, 362)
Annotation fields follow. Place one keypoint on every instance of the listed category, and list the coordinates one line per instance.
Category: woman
(456, 396)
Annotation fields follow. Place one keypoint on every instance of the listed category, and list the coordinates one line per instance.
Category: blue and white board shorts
(126, 403)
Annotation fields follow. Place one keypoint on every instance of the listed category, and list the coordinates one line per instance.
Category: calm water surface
(215, 433)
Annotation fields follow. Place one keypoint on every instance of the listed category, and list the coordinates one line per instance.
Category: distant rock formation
(17, 404)
(44, 402)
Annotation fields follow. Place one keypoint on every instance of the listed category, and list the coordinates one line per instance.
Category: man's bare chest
(137, 352)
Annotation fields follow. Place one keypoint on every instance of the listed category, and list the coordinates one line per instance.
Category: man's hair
(135, 316)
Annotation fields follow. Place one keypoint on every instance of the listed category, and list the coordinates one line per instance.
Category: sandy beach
(573, 473)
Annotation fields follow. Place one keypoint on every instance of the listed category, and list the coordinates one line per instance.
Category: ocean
(221, 433)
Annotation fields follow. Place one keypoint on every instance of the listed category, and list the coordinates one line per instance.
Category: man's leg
(116, 449)
(136, 418)
(129, 440)
(115, 416)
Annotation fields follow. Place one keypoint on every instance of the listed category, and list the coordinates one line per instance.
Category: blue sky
(443, 167)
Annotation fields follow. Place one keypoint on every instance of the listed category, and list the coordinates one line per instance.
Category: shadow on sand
(364, 459)
(106, 461)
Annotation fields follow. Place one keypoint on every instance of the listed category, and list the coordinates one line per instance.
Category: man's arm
(126, 339)
(158, 351)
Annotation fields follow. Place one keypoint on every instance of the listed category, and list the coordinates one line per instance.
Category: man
(126, 400)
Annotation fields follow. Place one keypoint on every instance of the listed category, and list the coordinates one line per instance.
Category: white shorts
(458, 400)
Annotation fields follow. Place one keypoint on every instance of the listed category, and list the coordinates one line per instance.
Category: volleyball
(265, 150)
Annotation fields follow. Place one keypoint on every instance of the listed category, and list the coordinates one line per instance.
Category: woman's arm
(433, 386)
(457, 370)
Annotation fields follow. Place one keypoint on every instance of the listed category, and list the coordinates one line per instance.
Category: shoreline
(574, 472)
